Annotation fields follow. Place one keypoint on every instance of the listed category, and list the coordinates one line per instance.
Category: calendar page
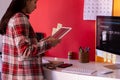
(92, 8)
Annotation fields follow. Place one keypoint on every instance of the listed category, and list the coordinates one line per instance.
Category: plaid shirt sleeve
(27, 45)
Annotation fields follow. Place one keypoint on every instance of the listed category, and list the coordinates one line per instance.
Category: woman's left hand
(53, 41)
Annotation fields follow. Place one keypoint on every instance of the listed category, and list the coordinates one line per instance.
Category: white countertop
(91, 65)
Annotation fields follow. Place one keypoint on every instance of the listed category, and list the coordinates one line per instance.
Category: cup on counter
(83, 55)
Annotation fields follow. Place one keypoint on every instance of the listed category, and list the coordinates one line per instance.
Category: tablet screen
(61, 32)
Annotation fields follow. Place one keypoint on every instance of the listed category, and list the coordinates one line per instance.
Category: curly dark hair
(14, 7)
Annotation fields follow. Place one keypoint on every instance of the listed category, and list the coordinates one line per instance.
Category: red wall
(69, 13)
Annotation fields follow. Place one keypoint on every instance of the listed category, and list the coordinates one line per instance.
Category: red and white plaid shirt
(21, 51)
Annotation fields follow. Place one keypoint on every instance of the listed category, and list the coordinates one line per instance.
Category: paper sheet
(92, 8)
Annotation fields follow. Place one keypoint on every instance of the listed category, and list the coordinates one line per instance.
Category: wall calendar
(93, 8)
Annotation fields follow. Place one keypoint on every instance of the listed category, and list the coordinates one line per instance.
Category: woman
(21, 51)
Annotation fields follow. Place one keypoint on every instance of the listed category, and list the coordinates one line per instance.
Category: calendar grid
(92, 8)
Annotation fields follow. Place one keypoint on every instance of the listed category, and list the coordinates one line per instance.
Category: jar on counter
(70, 55)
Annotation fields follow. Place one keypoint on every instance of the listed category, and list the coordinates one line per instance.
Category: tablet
(61, 32)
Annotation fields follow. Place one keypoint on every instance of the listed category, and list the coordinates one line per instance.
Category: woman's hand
(53, 41)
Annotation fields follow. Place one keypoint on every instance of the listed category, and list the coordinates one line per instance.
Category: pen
(81, 50)
(87, 49)
(108, 72)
